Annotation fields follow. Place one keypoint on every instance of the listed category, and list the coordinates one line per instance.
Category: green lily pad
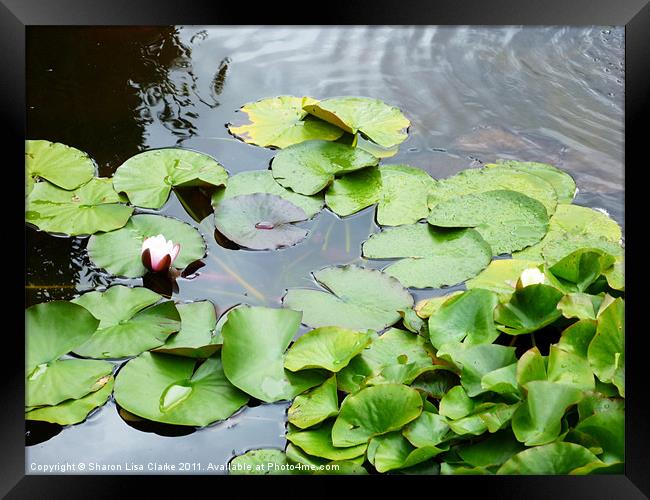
(63, 379)
(393, 451)
(507, 220)
(62, 165)
(495, 450)
(379, 122)
(260, 221)
(309, 167)
(475, 361)
(73, 411)
(608, 429)
(330, 348)
(606, 351)
(262, 181)
(501, 276)
(553, 458)
(530, 366)
(147, 178)
(52, 330)
(466, 317)
(502, 380)
(581, 268)
(373, 411)
(474, 181)
(254, 343)
(119, 252)
(447, 469)
(196, 338)
(318, 442)
(563, 183)
(579, 305)
(538, 420)
(529, 309)
(91, 208)
(431, 257)
(281, 122)
(172, 390)
(128, 326)
(429, 429)
(456, 403)
(573, 227)
(570, 368)
(315, 405)
(360, 299)
(393, 349)
(400, 191)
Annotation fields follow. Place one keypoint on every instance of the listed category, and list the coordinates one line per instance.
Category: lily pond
(325, 250)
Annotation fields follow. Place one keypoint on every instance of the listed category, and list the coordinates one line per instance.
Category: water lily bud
(531, 276)
(158, 254)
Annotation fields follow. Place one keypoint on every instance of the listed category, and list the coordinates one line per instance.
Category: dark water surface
(473, 95)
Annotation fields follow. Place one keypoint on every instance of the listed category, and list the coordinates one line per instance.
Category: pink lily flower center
(158, 254)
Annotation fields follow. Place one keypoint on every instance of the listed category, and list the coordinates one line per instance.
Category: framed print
(387, 247)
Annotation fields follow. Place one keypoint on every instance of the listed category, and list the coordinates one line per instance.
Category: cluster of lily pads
(520, 373)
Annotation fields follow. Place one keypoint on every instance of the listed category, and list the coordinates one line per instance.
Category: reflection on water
(472, 94)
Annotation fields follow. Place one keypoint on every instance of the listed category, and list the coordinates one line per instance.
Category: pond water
(473, 94)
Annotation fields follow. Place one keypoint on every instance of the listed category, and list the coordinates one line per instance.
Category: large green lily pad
(129, 323)
(254, 343)
(315, 405)
(260, 221)
(91, 208)
(550, 459)
(563, 183)
(383, 360)
(529, 309)
(373, 411)
(573, 227)
(119, 252)
(393, 451)
(431, 257)
(73, 411)
(467, 317)
(608, 429)
(309, 167)
(281, 122)
(65, 166)
(196, 338)
(507, 220)
(360, 299)
(538, 420)
(429, 429)
(479, 180)
(329, 347)
(172, 390)
(262, 181)
(318, 442)
(475, 361)
(381, 123)
(53, 329)
(606, 352)
(400, 191)
(147, 178)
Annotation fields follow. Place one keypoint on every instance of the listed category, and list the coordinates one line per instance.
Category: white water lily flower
(531, 276)
(158, 254)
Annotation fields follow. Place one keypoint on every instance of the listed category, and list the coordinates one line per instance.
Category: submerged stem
(240, 280)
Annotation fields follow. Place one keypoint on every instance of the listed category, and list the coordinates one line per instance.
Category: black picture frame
(16, 15)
